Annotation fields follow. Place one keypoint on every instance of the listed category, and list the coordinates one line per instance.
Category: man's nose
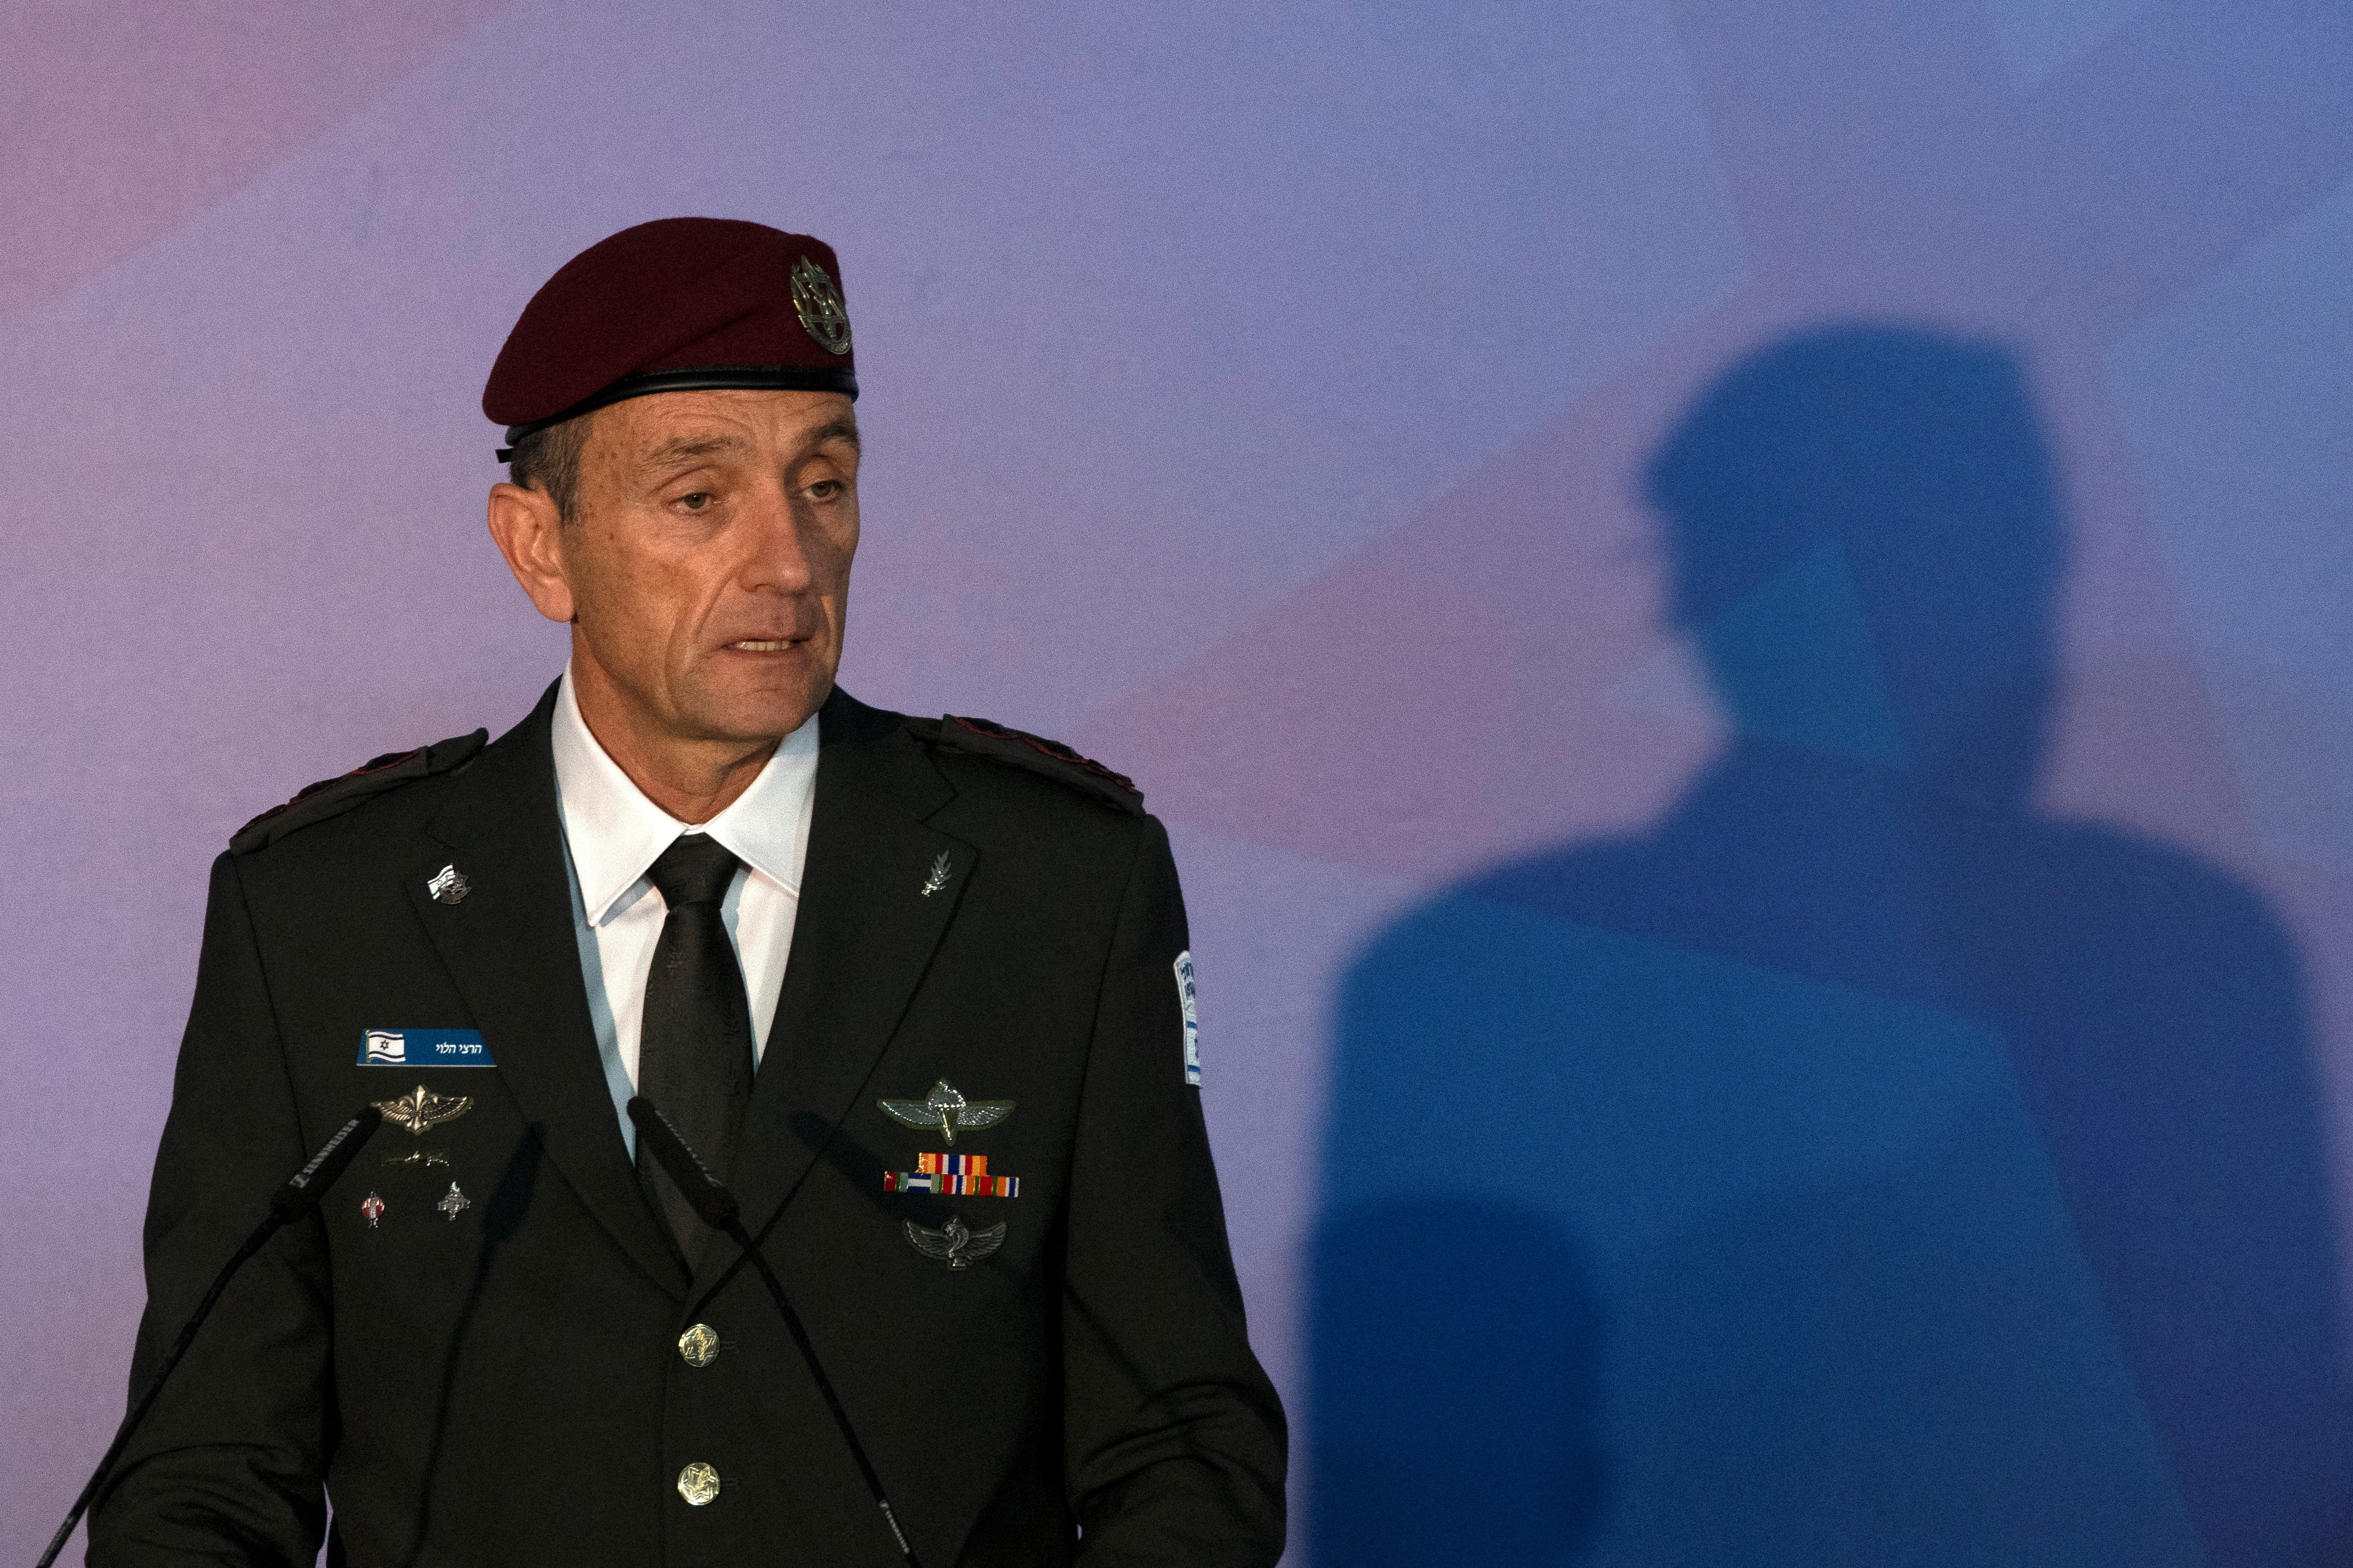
(775, 558)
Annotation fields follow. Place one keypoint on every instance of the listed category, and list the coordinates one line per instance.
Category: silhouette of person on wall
(1934, 1182)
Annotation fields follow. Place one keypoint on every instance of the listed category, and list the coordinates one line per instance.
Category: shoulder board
(985, 738)
(332, 798)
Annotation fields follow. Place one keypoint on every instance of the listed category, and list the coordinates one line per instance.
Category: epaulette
(332, 798)
(985, 738)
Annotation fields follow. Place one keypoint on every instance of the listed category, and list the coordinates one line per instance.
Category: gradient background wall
(1737, 610)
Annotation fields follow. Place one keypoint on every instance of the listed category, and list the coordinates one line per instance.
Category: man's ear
(529, 532)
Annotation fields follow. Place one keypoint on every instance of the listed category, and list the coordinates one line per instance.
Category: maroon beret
(682, 304)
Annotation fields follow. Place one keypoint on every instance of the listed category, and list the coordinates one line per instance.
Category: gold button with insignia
(698, 1484)
(699, 1346)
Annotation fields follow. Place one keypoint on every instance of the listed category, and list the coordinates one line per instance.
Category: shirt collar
(615, 834)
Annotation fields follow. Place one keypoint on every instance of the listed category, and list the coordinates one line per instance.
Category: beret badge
(817, 300)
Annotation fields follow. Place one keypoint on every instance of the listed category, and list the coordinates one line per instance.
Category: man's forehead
(674, 426)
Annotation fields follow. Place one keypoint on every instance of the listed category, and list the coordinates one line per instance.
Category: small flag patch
(1188, 998)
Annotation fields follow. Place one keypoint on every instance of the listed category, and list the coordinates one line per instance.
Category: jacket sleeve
(1175, 1439)
(228, 1467)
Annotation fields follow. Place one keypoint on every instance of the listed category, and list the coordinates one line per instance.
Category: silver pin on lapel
(422, 1110)
(946, 1111)
(939, 876)
(449, 886)
(454, 1202)
(955, 1244)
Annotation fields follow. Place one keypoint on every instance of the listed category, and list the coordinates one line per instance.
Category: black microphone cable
(298, 1199)
(716, 1207)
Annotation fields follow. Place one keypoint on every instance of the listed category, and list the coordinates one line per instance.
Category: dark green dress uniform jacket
(504, 1385)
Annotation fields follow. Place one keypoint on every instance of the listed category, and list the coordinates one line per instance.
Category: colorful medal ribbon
(952, 1176)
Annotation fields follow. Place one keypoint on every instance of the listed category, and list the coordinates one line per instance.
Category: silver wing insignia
(913, 1112)
(982, 1243)
(424, 1109)
(933, 1243)
(975, 1114)
(956, 1243)
(946, 1111)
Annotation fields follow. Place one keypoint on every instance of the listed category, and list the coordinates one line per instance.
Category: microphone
(716, 1207)
(297, 1199)
(306, 1189)
(705, 1193)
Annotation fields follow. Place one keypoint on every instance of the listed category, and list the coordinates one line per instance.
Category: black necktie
(695, 1045)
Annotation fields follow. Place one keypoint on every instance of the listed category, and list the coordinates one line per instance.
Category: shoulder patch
(332, 798)
(987, 738)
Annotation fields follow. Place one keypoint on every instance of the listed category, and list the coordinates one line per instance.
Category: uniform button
(697, 1483)
(699, 1346)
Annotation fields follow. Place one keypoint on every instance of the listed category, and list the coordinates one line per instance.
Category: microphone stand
(296, 1200)
(716, 1206)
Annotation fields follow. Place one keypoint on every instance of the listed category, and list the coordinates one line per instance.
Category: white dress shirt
(613, 834)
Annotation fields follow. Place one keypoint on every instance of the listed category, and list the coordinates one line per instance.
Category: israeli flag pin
(449, 886)
(1189, 998)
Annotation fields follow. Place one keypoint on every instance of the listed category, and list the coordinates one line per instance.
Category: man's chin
(768, 711)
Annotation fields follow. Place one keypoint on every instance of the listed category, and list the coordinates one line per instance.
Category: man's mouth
(771, 644)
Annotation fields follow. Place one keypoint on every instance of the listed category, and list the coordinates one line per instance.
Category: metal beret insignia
(817, 300)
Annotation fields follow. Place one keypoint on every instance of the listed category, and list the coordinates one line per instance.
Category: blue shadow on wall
(1859, 1167)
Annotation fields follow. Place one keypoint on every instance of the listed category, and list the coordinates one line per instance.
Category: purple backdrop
(1264, 402)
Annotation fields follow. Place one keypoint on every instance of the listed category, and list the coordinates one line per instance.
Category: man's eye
(696, 501)
(826, 490)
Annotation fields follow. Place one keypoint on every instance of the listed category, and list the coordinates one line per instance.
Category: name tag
(424, 1048)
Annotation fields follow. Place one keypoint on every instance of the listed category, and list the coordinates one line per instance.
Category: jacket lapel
(862, 938)
(510, 947)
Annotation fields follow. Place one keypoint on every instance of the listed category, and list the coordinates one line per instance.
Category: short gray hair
(549, 460)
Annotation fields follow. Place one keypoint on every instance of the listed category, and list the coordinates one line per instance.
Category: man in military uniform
(918, 991)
